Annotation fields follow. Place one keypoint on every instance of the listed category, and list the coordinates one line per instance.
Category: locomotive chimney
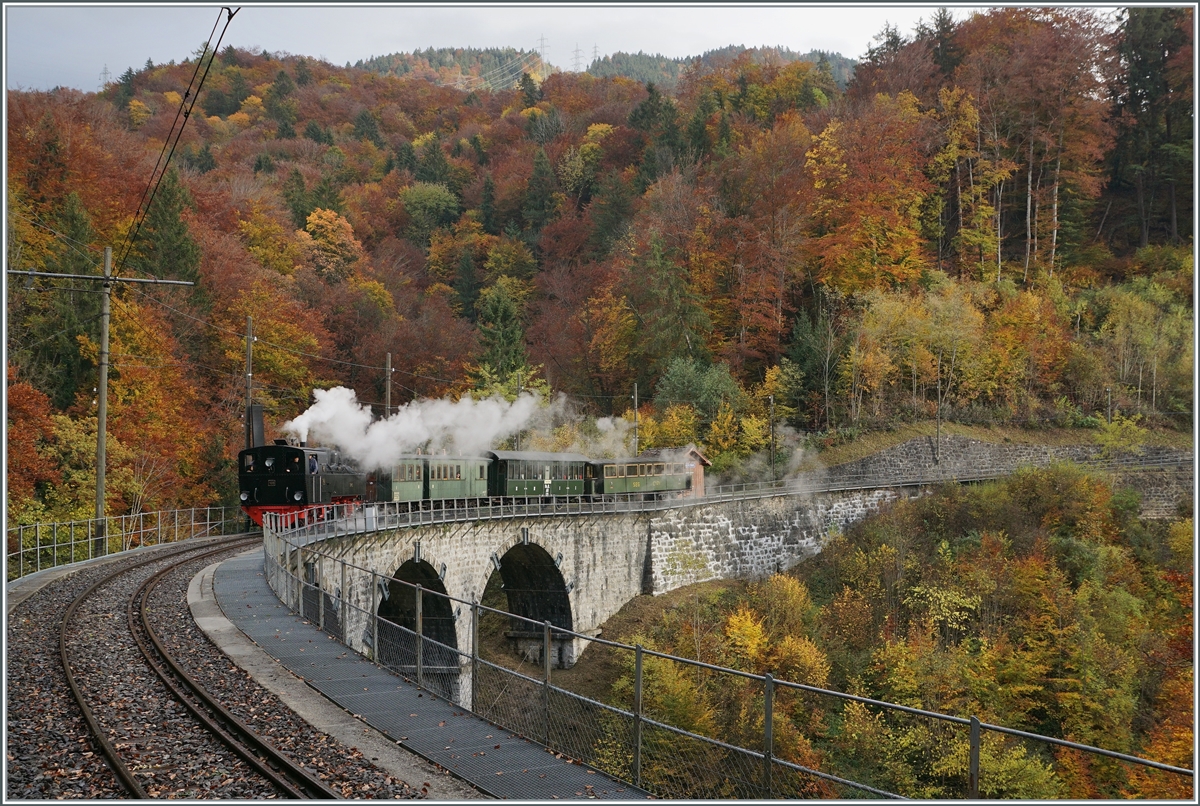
(254, 426)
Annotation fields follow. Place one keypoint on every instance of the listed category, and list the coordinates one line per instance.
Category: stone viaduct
(578, 570)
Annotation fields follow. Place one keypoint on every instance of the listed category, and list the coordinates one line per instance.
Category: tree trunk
(1143, 214)
(999, 233)
(1028, 210)
(1054, 220)
(1174, 215)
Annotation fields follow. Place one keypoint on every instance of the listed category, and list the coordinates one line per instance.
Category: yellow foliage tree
(269, 242)
(139, 113)
(678, 427)
(332, 247)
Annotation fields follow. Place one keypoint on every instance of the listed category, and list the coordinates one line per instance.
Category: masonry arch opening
(398, 612)
(531, 587)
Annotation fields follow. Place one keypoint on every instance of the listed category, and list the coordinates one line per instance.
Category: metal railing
(343, 519)
(622, 737)
(37, 547)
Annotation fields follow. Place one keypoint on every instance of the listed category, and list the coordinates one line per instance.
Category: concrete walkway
(288, 655)
(310, 705)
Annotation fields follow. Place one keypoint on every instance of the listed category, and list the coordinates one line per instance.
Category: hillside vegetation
(666, 73)
(1039, 603)
(756, 250)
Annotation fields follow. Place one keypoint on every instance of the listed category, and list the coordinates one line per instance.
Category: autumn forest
(985, 222)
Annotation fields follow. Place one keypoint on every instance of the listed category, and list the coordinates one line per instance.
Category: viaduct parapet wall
(592, 565)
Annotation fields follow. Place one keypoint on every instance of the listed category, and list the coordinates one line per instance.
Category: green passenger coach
(456, 477)
(639, 475)
(407, 479)
(528, 473)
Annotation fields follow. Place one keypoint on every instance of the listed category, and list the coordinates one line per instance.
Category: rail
(625, 739)
(37, 547)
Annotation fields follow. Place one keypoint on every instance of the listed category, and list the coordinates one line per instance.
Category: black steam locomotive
(285, 478)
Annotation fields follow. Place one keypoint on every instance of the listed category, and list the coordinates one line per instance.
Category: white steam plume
(465, 427)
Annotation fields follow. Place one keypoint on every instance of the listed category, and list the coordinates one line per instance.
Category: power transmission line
(503, 77)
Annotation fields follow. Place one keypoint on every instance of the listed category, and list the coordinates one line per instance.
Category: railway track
(131, 679)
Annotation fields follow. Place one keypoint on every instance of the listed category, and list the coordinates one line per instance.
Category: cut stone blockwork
(577, 571)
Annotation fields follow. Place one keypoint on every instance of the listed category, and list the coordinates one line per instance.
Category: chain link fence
(37, 547)
(640, 731)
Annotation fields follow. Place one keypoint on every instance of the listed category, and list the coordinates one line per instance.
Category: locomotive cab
(285, 478)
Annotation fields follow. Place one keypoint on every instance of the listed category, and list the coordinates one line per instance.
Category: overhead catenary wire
(286, 349)
(356, 365)
(185, 110)
(74, 244)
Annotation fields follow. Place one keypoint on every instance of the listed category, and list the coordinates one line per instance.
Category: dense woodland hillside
(992, 221)
(666, 73)
(1039, 603)
(497, 67)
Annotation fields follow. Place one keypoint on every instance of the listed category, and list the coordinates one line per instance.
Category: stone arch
(398, 626)
(534, 589)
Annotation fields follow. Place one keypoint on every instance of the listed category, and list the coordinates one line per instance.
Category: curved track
(120, 730)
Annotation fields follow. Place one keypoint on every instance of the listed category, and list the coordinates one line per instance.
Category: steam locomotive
(286, 478)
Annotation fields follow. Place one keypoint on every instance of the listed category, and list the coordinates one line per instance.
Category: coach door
(315, 482)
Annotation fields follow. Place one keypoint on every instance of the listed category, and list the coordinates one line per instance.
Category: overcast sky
(71, 46)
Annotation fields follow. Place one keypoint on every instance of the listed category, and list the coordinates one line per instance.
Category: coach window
(248, 463)
(458, 471)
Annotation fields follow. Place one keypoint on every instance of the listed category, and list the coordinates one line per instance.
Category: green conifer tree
(540, 204)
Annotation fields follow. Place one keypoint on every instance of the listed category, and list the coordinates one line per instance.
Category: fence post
(973, 775)
(374, 617)
(768, 729)
(420, 639)
(546, 675)
(343, 613)
(474, 655)
(300, 581)
(320, 592)
(637, 715)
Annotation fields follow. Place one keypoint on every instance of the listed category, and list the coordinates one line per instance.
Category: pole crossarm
(99, 278)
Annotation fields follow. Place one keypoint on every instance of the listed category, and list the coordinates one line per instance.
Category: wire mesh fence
(756, 737)
(37, 547)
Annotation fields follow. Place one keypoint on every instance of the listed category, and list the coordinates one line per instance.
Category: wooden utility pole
(518, 398)
(106, 280)
(102, 391)
(635, 430)
(772, 399)
(387, 402)
(249, 382)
